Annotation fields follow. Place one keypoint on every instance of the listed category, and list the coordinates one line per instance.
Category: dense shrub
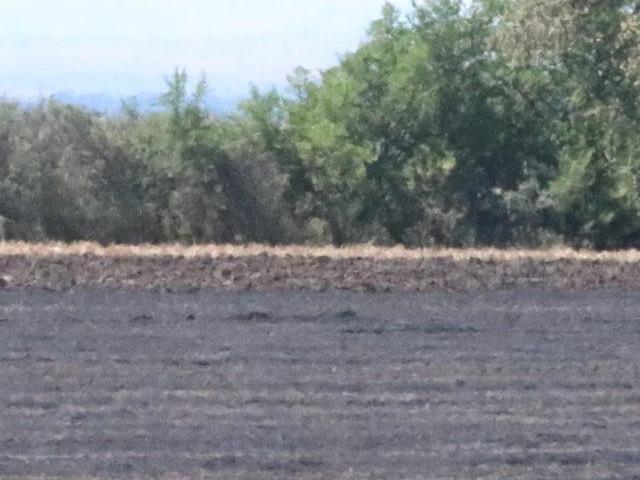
(498, 122)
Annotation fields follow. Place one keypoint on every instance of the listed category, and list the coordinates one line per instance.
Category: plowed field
(522, 383)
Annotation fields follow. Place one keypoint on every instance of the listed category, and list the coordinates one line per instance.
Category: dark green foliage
(498, 123)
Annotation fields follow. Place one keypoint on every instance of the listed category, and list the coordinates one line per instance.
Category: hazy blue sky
(125, 47)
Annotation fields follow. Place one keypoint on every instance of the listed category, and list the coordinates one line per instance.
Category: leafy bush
(497, 122)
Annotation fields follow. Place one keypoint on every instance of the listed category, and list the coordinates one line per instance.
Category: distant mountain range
(111, 104)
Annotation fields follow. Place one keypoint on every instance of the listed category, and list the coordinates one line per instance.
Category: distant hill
(111, 104)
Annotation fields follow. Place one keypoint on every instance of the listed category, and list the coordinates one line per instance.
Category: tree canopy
(500, 122)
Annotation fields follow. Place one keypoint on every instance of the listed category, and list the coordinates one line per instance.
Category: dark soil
(520, 384)
(316, 273)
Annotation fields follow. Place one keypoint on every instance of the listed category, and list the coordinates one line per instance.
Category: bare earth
(508, 382)
(278, 270)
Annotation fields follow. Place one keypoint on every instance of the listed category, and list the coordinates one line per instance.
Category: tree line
(503, 122)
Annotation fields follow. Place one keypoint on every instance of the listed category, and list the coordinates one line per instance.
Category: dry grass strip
(61, 266)
(57, 249)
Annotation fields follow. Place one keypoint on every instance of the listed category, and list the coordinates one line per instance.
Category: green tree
(579, 63)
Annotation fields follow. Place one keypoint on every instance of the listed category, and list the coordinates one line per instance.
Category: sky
(127, 47)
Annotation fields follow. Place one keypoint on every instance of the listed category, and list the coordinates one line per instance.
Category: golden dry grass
(57, 249)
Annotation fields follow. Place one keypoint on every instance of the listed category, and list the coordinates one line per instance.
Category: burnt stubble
(518, 384)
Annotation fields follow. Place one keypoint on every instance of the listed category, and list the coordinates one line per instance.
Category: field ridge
(61, 266)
